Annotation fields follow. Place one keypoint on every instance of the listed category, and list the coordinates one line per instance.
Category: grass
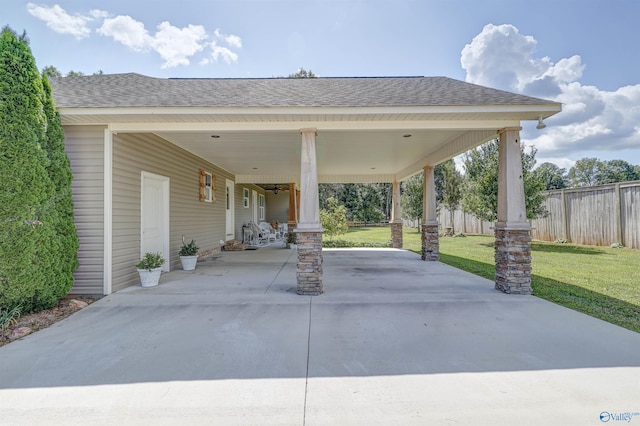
(598, 281)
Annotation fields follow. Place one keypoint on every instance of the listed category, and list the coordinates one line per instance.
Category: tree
(480, 192)
(302, 73)
(73, 73)
(51, 71)
(615, 171)
(27, 244)
(334, 218)
(59, 211)
(412, 196)
(451, 188)
(584, 172)
(553, 176)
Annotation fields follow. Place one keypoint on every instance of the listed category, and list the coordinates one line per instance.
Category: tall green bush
(29, 224)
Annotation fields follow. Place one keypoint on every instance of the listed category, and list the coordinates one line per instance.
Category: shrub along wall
(38, 247)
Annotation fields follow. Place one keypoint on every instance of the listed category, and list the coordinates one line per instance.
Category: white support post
(430, 242)
(396, 217)
(309, 202)
(512, 230)
(309, 229)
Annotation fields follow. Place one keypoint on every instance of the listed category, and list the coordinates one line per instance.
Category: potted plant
(291, 240)
(150, 268)
(189, 255)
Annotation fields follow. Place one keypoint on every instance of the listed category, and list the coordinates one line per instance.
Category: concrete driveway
(394, 340)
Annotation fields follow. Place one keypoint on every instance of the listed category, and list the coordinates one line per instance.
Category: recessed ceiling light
(254, 168)
(406, 136)
(215, 136)
(373, 168)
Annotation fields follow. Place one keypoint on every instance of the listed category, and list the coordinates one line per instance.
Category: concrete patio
(393, 340)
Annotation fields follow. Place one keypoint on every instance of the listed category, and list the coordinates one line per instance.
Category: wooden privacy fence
(599, 215)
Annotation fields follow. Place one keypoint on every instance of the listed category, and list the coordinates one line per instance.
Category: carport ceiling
(379, 153)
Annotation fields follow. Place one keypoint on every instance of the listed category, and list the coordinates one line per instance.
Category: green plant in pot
(291, 239)
(150, 268)
(189, 255)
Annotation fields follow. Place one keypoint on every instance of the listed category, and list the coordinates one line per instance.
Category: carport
(321, 130)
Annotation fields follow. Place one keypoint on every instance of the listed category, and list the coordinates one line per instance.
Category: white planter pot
(189, 262)
(149, 278)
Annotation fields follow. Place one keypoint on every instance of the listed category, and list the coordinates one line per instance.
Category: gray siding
(244, 215)
(204, 222)
(85, 148)
(277, 206)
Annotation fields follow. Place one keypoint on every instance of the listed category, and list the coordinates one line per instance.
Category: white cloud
(127, 31)
(176, 46)
(230, 39)
(60, 21)
(591, 120)
(223, 52)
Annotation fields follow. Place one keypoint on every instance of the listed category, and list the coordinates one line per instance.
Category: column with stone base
(309, 274)
(396, 234)
(513, 260)
(430, 241)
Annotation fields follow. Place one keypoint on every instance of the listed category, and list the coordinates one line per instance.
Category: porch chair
(268, 231)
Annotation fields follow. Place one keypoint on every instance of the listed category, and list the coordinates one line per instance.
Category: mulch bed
(30, 323)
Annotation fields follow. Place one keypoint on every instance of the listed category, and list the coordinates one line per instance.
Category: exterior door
(230, 221)
(154, 216)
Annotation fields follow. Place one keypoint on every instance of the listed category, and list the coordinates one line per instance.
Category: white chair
(267, 229)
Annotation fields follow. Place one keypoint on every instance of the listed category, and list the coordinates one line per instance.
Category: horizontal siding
(204, 222)
(84, 146)
(244, 215)
(277, 206)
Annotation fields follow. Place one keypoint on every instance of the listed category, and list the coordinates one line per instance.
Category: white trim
(262, 207)
(229, 219)
(321, 125)
(166, 182)
(107, 274)
(545, 109)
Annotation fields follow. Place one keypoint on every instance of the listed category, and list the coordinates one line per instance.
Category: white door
(154, 216)
(255, 207)
(230, 211)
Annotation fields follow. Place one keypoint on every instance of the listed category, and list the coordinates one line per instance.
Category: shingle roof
(135, 90)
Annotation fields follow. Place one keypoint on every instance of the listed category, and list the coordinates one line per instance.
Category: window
(207, 187)
(245, 198)
(261, 206)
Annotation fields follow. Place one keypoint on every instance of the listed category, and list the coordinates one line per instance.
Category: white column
(512, 210)
(396, 212)
(309, 198)
(429, 198)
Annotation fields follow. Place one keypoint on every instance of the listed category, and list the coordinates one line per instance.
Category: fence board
(600, 215)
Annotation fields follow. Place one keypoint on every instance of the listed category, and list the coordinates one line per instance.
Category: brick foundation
(309, 272)
(513, 260)
(396, 234)
(430, 242)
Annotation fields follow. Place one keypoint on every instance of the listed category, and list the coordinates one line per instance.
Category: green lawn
(599, 281)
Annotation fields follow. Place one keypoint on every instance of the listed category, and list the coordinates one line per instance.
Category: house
(158, 159)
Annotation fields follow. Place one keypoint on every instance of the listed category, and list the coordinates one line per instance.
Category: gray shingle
(135, 90)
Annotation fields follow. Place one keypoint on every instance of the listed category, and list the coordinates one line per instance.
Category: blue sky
(583, 53)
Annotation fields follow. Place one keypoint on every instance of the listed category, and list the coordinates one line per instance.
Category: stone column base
(309, 272)
(396, 234)
(513, 260)
(430, 242)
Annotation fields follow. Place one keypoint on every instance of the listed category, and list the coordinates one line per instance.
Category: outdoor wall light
(541, 124)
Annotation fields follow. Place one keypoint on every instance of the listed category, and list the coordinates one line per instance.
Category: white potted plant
(150, 268)
(189, 255)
